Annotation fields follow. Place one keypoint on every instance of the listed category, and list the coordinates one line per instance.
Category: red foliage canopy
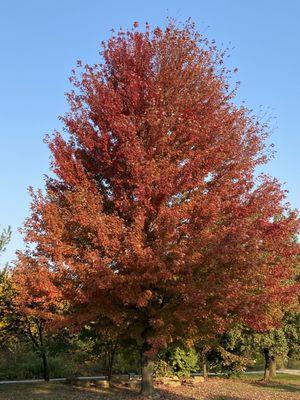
(155, 219)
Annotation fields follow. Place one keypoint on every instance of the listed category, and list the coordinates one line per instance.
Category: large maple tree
(155, 219)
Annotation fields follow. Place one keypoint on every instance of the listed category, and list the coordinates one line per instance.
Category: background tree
(35, 302)
(155, 220)
(7, 310)
(283, 342)
(5, 238)
(233, 351)
(105, 343)
(5, 290)
(292, 334)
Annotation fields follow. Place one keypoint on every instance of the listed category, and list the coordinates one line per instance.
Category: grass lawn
(283, 387)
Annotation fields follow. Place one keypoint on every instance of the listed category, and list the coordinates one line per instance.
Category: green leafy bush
(183, 361)
(176, 360)
(162, 368)
(127, 360)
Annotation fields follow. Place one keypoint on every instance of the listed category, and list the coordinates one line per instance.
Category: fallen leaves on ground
(213, 389)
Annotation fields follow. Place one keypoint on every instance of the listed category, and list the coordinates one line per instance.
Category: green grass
(280, 378)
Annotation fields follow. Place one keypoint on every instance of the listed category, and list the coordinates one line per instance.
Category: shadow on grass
(283, 387)
(222, 397)
(169, 395)
(121, 393)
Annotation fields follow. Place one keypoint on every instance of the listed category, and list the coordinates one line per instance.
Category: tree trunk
(270, 365)
(110, 362)
(46, 372)
(204, 366)
(147, 375)
(147, 372)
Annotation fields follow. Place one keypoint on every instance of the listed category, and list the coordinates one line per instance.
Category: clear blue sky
(40, 42)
